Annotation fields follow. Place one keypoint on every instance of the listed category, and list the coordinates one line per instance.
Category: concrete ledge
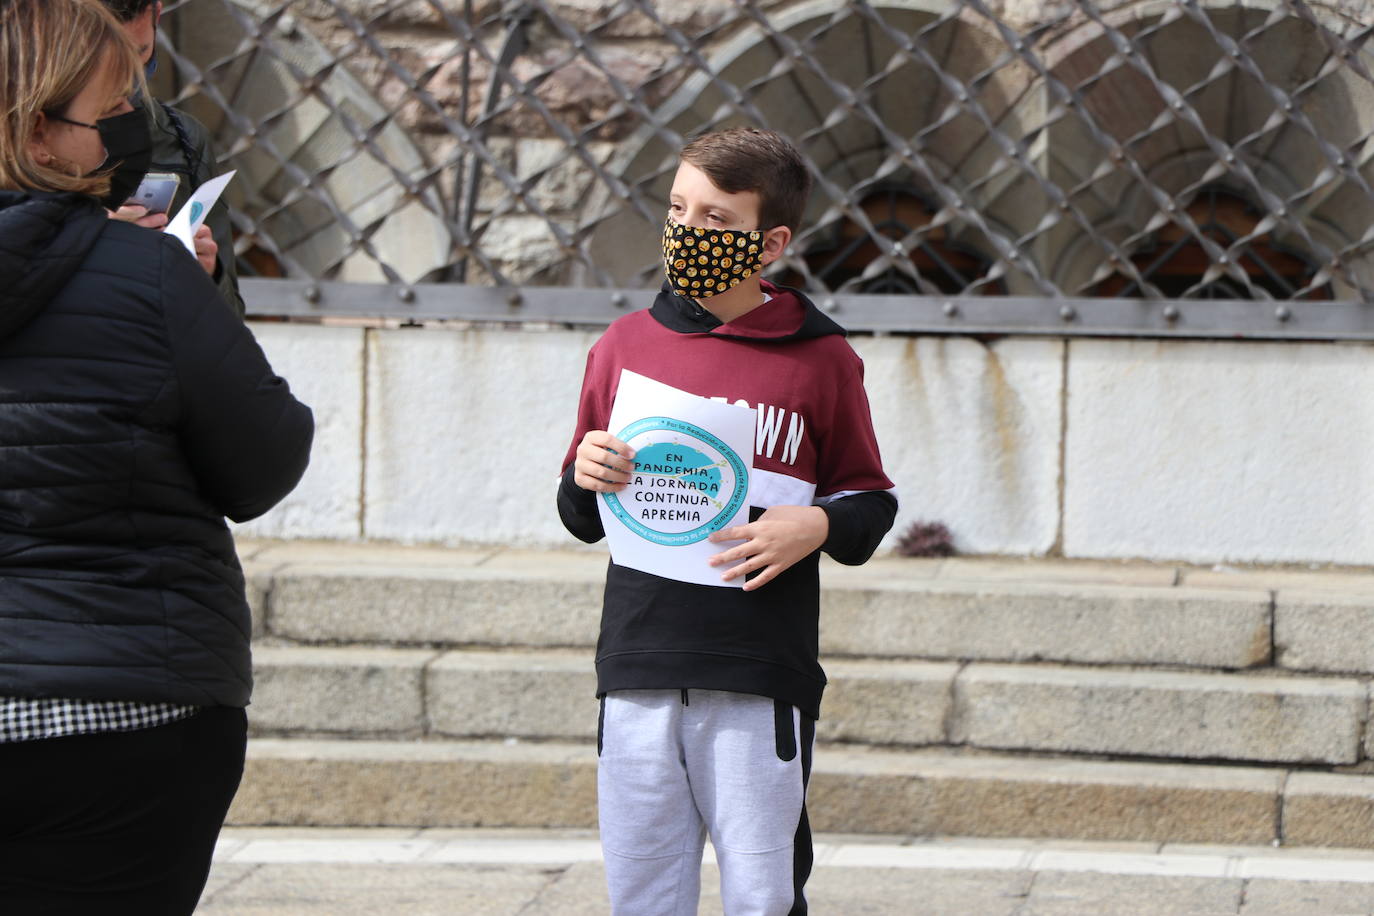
(1163, 714)
(1325, 809)
(1069, 622)
(429, 784)
(1324, 631)
(339, 689)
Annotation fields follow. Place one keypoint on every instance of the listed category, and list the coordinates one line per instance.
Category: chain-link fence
(995, 165)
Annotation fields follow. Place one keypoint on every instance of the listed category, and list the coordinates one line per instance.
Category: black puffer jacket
(136, 411)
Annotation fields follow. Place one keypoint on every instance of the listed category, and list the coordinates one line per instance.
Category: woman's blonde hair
(49, 51)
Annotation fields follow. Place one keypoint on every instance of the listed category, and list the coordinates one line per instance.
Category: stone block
(466, 434)
(1159, 714)
(524, 695)
(1324, 631)
(416, 784)
(324, 366)
(426, 605)
(941, 793)
(257, 583)
(1070, 622)
(886, 702)
(338, 690)
(547, 784)
(1327, 809)
(970, 435)
(1219, 451)
(1268, 897)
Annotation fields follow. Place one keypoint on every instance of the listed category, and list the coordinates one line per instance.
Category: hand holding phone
(156, 192)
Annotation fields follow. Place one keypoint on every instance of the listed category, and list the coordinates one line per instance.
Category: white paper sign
(192, 213)
(693, 457)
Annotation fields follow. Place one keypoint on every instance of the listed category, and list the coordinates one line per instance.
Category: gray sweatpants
(676, 764)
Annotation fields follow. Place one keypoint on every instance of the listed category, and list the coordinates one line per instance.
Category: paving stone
(1068, 622)
(1326, 809)
(360, 690)
(1163, 714)
(1325, 631)
(1083, 893)
(1267, 897)
(366, 890)
(940, 892)
(223, 875)
(580, 890)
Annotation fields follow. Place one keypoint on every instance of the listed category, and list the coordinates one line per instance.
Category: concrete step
(549, 694)
(957, 609)
(295, 782)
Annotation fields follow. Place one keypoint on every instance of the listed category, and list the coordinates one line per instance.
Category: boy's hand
(603, 463)
(781, 537)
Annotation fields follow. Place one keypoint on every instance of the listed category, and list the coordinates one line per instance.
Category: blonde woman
(136, 412)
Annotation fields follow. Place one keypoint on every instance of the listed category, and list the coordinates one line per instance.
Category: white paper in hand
(693, 458)
(192, 213)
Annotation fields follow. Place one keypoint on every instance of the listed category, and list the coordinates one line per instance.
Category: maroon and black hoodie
(814, 446)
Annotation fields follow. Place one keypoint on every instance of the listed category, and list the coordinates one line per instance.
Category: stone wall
(1193, 451)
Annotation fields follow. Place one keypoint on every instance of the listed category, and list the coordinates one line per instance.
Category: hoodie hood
(44, 238)
(787, 315)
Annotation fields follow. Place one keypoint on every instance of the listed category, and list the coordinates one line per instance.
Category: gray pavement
(489, 872)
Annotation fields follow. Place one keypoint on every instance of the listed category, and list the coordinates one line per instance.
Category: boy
(181, 144)
(710, 695)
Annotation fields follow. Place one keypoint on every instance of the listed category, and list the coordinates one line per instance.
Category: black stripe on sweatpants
(803, 855)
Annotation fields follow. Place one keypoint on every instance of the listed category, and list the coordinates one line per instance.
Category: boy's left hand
(781, 536)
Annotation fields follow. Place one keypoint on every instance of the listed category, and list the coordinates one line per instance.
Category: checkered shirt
(29, 719)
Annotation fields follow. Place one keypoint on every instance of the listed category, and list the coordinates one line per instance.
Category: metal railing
(1160, 168)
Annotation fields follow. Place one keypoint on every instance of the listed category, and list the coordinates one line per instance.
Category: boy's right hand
(603, 463)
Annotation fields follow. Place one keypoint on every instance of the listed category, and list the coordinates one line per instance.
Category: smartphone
(155, 192)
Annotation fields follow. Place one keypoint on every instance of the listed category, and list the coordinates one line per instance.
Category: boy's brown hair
(763, 161)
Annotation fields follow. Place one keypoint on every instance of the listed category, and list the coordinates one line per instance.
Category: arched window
(839, 257)
(1175, 261)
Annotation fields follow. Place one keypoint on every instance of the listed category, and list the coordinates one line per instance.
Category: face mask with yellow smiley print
(701, 263)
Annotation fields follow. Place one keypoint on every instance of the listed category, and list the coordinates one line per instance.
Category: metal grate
(969, 156)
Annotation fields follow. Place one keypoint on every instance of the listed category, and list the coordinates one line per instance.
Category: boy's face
(696, 201)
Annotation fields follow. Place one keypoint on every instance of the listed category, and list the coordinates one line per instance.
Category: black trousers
(123, 822)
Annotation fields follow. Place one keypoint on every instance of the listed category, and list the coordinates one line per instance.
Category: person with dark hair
(181, 146)
(136, 412)
(710, 695)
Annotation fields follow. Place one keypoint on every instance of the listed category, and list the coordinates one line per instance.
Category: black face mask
(128, 152)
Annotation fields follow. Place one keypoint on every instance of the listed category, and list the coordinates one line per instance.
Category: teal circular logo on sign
(686, 483)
